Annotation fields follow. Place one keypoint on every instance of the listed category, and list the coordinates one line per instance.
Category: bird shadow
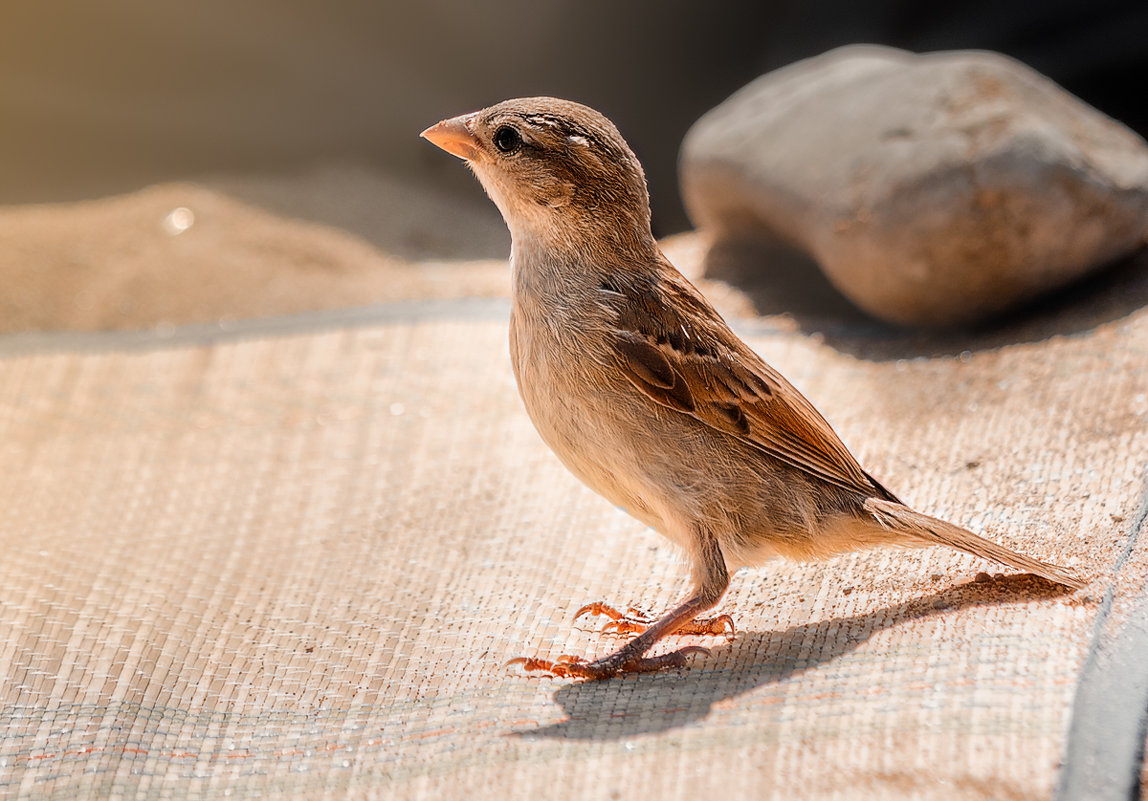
(779, 280)
(637, 704)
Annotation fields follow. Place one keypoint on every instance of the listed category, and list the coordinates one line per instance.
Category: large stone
(933, 190)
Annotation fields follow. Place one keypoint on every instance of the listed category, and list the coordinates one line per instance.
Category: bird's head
(557, 170)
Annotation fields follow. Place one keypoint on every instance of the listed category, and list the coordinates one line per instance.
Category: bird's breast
(576, 407)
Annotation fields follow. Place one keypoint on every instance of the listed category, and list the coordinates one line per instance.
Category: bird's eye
(507, 139)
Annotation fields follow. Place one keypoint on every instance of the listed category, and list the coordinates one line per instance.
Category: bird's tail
(925, 530)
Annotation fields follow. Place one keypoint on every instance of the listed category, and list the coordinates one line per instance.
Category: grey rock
(933, 190)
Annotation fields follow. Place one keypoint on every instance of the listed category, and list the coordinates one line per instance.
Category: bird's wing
(672, 345)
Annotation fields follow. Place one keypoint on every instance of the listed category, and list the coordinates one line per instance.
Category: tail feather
(931, 531)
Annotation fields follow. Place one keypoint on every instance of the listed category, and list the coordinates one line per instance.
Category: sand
(229, 248)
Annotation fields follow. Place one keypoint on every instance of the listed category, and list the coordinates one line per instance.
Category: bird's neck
(563, 265)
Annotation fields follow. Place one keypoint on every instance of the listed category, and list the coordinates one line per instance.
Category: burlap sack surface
(290, 558)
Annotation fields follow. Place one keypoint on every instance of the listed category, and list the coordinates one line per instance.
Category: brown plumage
(643, 391)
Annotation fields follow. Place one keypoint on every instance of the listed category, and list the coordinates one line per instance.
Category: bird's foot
(568, 666)
(634, 622)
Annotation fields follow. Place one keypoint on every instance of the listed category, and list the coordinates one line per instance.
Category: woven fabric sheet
(292, 561)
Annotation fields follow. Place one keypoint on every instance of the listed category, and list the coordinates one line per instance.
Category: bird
(643, 391)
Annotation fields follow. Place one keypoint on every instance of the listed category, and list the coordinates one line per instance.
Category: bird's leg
(710, 581)
(634, 622)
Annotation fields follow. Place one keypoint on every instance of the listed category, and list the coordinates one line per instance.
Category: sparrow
(641, 389)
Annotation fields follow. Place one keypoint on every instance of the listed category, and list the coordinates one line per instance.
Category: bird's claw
(564, 666)
(569, 666)
(634, 622)
(558, 668)
(721, 625)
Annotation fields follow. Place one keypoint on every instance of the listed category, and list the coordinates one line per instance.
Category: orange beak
(454, 137)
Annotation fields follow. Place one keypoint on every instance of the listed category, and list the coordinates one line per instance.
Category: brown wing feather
(650, 370)
(703, 369)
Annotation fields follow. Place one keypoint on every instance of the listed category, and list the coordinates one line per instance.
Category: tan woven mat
(291, 562)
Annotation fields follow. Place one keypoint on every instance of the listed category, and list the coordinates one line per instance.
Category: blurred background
(101, 98)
